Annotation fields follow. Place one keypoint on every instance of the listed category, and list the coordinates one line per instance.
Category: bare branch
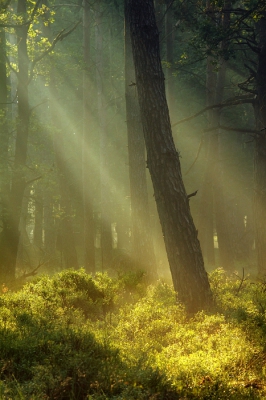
(61, 36)
(192, 194)
(33, 180)
(248, 100)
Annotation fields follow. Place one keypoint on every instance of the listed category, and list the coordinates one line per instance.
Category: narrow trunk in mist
(49, 229)
(141, 233)
(226, 253)
(260, 152)
(89, 248)
(206, 214)
(213, 190)
(10, 233)
(66, 237)
(183, 249)
(106, 233)
(38, 216)
(4, 139)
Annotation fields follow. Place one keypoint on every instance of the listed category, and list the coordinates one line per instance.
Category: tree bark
(169, 39)
(142, 245)
(183, 249)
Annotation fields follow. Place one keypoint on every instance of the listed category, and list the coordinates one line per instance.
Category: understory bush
(73, 336)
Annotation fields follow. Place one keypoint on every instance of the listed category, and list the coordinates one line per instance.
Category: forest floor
(72, 336)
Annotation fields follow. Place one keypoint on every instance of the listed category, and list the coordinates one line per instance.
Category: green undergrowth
(72, 336)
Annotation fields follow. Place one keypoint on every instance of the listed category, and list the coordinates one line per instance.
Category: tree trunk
(106, 233)
(260, 152)
(183, 249)
(4, 139)
(10, 233)
(66, 237)
(142, 245)
(38, 217)
(206, 215)
(169, 39)
(88, 221)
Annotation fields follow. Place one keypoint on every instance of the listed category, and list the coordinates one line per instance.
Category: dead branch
(245, 100)
(192, 194)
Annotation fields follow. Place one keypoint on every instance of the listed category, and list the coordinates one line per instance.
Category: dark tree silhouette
(182, 245)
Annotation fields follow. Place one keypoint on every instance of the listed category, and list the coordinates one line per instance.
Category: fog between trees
(75, 184)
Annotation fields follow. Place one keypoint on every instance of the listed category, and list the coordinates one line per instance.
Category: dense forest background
(132, 144)
(75, 188)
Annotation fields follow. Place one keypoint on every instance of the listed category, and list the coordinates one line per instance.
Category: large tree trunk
(169, 42)
(183, 249)
(142, 245)
(260, 152)
(89, 248)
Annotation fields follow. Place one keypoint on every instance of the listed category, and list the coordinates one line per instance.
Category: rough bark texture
(183, 249)
(142, 245)
(89, 249)
(169, 38)
(260, 152)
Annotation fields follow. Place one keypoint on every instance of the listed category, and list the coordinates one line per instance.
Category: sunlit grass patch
(77, 337)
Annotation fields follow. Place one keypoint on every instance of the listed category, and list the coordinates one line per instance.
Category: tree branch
(61, 36)
(248, 100)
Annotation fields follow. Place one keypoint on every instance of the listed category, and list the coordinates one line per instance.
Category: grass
(72, 336)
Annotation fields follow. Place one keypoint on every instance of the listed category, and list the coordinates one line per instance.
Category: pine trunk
(142, 245)
(183, 249)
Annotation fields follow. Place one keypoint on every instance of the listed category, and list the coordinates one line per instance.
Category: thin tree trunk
(141, 233)
(183, 249)
(260, 152)
(38, 217)
(10, 233)
(66, 237)
(89, 229)
(4, 140)
(106, 233)
(206, 220)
